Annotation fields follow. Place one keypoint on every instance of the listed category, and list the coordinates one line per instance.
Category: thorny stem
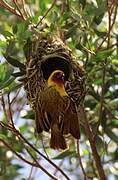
(91, 138)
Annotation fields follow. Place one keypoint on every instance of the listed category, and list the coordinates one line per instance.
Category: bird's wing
(46, 109)
(42, 119)
(38, 117)
(71, 120)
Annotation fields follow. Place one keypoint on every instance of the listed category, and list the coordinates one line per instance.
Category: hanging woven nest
(45, 54)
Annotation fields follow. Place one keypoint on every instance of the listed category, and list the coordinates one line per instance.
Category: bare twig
(42, 168)
(46, 158)
(44, 147)
(17, 154)
(19, 135)
(30, 174)
(11, 9)
(3, 105)
(24, 9)
(10, 112)
(19, 9)
(111, 23)
(36, 164)
(80, 161)
(17, 93)
(53, 3)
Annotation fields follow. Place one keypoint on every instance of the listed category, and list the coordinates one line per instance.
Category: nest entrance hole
(51, 63)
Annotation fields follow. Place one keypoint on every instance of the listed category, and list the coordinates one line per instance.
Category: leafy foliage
(90, 29)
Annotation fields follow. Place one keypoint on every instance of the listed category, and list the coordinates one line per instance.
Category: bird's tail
(57, 139)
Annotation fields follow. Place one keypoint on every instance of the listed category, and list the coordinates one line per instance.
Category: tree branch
(80, 161)
(19, 135)
(36, 164)
(92, 141)
(11, 9)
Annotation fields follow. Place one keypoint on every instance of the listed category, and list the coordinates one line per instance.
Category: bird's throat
(59, 87)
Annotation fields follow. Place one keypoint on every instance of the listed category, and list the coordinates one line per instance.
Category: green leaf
(85, 152)
(65, 154)
(14, 62)
(14, 28)
(5, 72)
(10, 50)
(113, 124)
(18, 74)
(111, 135)
(98, 19)
(3, 137)
(102, 55)
(7, 83)
(30, 115)
(7, 34)
(13, 87)
(115, 61)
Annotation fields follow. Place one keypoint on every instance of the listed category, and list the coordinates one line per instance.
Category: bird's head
(57, 80)
(57, 76)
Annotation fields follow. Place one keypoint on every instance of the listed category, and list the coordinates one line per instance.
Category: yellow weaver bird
(57, 112)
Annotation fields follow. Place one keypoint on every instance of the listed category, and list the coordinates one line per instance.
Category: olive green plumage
(57, 111)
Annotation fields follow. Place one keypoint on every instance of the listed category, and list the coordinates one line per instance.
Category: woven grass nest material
(45, 54)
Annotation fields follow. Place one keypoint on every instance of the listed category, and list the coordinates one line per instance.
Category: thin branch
(44, 147)
(53, 3)
(46, 158)
(19, 9)
(20, 5)
(92, 141)
(10, 112)
(80, 161)
(24, 9)
(36, 164)
(56, 170)
(19, 135)
(43, 169)
(30, 173)
(17, 93)
(17, 154)
(11, 9)
(110, 27)
(3, 105)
